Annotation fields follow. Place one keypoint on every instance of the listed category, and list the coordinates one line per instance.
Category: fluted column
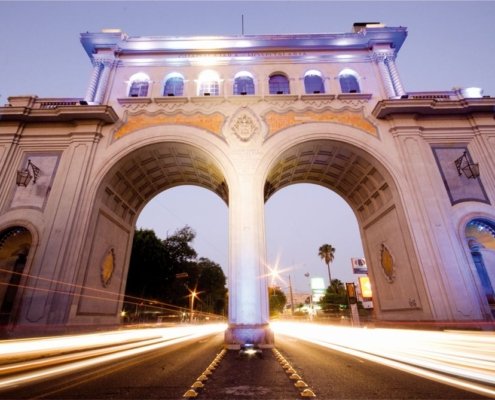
(103, 82)
(394, 74)
(93, 83)
(385, 74)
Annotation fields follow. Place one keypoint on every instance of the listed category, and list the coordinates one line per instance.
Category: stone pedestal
(238, 335)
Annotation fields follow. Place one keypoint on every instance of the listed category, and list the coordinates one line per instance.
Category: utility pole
(291, 297)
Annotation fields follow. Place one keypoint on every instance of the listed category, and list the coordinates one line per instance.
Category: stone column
(93, 83)
(248, 300)
(385, 74)
(390, 62)
(103, 84)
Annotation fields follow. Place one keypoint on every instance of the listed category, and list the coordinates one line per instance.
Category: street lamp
(464, 165)
(24, 176)
(191, 304)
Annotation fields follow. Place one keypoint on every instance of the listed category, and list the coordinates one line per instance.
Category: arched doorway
(370, 190)
(126, 188)
(480, 235)
(15, 243)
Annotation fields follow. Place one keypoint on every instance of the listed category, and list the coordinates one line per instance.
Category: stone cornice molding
(431, 107)
(100, 113)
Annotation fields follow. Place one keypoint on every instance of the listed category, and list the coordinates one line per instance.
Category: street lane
(336, 375)
(168, 372)
(165, 373)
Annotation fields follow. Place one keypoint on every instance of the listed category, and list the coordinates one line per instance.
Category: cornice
(100, 113)
(431, 107)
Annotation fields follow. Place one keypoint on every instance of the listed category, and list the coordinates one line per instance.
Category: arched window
(208, 83)
(480, 235)
(279, 84)
(174, 85)
(243, 83)
(139, 85)
(349, 81)
(313, 82)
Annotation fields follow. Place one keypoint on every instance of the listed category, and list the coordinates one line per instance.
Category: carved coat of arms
(245, 126)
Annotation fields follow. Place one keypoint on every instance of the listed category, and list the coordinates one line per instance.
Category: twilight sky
(450, 44)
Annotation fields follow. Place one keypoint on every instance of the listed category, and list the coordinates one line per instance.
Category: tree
(211, 285)
(327, 252)
(276, 300)
(155, 264)
(335, 297)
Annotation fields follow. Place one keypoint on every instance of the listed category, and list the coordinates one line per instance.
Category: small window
(243, 84)
(279, 84)
(208, 84)
(174, 85)
(139, 85)
(349, 82)
(313, 82)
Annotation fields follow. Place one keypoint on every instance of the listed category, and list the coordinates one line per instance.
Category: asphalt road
(169, 372)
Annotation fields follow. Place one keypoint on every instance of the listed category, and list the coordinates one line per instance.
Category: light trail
(56, 356)
(462, 359)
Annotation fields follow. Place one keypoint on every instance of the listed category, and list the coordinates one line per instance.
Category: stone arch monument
(414, 166)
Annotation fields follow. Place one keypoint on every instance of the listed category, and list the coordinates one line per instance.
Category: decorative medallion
(107, 267)
(388, 265)
(244, 126)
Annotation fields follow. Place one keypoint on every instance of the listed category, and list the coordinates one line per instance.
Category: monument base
(259, 335)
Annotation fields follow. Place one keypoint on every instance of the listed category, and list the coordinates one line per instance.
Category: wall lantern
(471, 170)
(24, 176)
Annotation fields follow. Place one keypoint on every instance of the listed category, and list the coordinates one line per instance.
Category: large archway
(480, 236)
(124, 191)
(15, 243)
(370, 190)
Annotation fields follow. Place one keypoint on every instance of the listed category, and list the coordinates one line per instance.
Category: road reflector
(190, 393)
(202, 378)
(308, 393)
(294, 377)
(197, 385)
(290, 370)
(301, 384)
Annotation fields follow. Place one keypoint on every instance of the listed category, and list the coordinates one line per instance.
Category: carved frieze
(210, 122)
(279, 121)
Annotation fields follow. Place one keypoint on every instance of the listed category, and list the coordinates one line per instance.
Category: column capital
(383, 55)
(104, 60)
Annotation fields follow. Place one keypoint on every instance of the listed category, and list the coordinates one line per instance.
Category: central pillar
(248, 289)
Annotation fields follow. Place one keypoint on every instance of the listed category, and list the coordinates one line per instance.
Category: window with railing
(174, 85)
(208, 83)
(279, 84)
(243, 83)
(139, 85)
(313, 82)
(349, 82)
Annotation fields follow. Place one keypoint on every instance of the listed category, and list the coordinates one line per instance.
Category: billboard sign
(365, 286)
(359, 266)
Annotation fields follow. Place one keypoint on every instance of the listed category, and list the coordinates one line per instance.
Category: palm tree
(326, 253)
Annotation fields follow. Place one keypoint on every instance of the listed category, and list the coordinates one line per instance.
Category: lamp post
(307, 275)
(291, 297)
(191, 304)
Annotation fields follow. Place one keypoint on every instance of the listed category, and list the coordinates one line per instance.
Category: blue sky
(450, 44)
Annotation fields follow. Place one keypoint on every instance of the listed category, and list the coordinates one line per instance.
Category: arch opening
(125, 190)
(15, 243)
(480, 236)
(370, 191)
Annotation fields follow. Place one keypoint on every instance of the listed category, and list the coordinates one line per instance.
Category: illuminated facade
(245, 116)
